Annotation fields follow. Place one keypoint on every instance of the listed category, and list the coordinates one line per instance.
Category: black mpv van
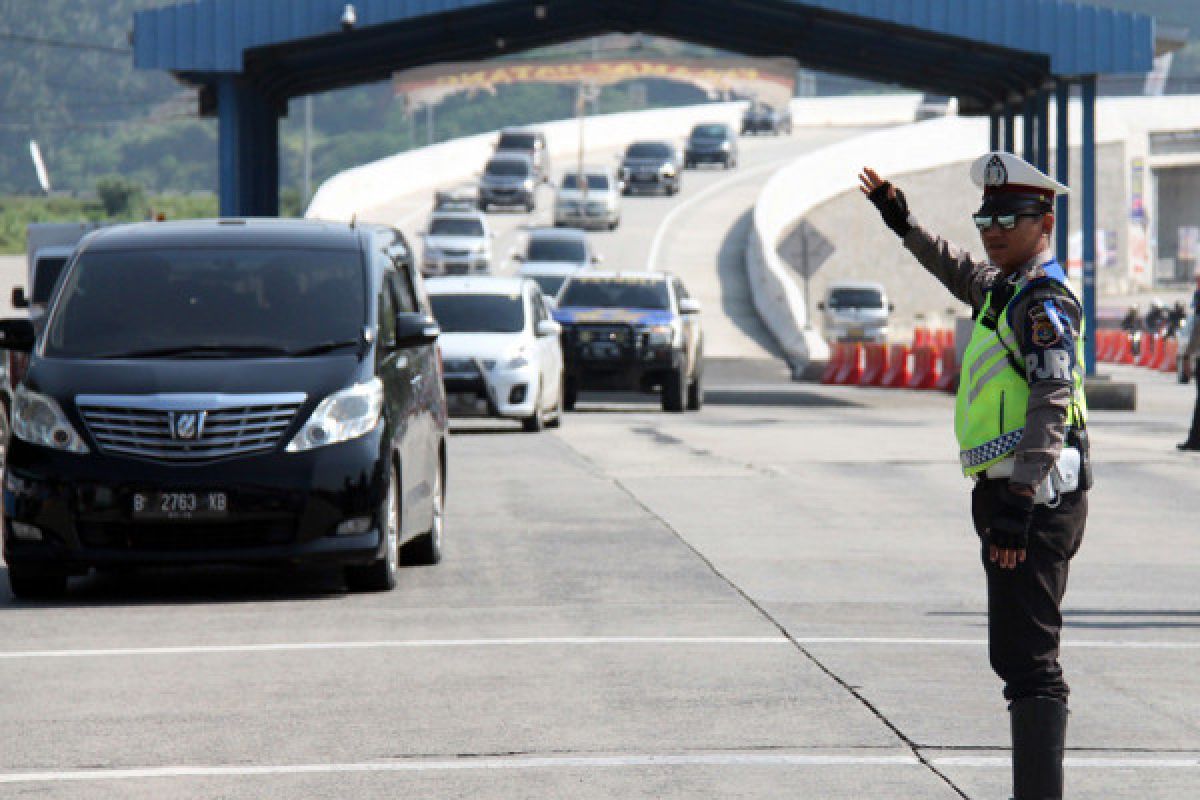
(228, 391)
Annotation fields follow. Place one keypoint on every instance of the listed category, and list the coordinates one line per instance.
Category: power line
(45, 42)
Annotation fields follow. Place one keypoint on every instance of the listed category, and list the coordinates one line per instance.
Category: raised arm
(965, 278)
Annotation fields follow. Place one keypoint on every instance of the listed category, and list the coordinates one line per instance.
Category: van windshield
(855, 298)
(594, 181)
(456, 226)
(517, 141)
(219, 302)
(554, 249)
(479, 313)
(507, 167)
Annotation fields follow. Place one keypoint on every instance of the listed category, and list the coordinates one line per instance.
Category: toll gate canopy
(1002, 59)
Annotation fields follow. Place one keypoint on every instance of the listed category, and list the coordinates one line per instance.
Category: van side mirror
(19, 300)
(891, 307)
(548, 327)
(687, 305)
(821, 306)
(17, 335)
(414, 329)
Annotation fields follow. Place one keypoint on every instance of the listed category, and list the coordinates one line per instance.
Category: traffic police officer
(1020, 421)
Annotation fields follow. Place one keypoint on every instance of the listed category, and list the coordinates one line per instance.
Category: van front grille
(182, 429)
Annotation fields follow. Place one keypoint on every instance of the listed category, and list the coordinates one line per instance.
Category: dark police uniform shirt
(1046, 323)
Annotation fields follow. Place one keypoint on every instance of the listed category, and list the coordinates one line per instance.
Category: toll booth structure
(1001, 59)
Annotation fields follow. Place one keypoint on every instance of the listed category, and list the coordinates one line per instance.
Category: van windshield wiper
(201, 350)
(324, 347)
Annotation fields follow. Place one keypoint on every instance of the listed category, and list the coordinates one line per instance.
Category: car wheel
(28, 585)
(556, 420)
(674, 389)
(695, 393)
(380, 575)
(537, 420)
(426, 549)
(570, 393)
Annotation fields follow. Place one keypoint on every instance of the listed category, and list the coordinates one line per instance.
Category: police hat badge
(995, 173)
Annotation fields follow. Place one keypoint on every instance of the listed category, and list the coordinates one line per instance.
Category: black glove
(894, 210)
(1012, 522)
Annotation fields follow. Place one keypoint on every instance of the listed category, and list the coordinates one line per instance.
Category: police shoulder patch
(1044, 331)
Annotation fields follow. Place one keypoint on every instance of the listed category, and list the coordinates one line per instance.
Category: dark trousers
(1024, 604)
(1193, 439)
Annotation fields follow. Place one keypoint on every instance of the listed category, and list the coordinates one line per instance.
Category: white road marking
(394, 644)
(1068, 644)
(416, 644)
(1074, 762)
(733, 759)
(432, 765)
(669, 219)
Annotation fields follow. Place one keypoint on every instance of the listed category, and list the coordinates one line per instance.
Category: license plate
(180, 505)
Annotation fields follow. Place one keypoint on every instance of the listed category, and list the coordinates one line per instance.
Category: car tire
(27, 585)
(695, 393)
(674, 391)
(570, 393)
(381, 574)
(426, 549)
(537, 420)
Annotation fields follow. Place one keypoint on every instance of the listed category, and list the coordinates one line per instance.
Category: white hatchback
(500, 349)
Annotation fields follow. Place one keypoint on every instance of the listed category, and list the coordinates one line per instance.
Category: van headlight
(38, 419)
(341, 416)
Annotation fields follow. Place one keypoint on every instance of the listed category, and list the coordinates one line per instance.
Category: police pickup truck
(631, 331)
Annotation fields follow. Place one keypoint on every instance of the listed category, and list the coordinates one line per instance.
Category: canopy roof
(983, 51)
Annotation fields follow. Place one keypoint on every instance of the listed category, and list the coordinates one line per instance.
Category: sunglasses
(1005, 221)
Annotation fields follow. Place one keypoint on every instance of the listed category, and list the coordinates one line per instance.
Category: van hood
(484, 346)
(455, 242)
(316, 377)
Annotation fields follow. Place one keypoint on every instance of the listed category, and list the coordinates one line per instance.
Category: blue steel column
(1062, 167)
(1029, 117)
(1010, 128)
(247, 150)
(1089, 220)
(994, 131)
(1043, 130)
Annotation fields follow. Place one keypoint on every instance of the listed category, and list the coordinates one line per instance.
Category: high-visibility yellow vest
(993, 392)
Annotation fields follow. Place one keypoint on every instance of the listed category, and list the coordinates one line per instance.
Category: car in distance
(636, 331)
(509, 179)
(598, 207)
(456, 198)
(762, 118)
(500, 349)
(457, 243)
(711, 143)
(269, 393)
(552, 255)
(652, 167)
(856, 311)
(527, 142)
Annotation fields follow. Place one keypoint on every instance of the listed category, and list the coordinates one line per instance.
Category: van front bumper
(281, 508)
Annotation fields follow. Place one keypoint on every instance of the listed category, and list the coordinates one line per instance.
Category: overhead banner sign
(772, 81)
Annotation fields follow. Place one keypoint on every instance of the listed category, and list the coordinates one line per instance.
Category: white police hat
(1010, 181)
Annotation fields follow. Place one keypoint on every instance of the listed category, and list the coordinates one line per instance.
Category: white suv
(457, 243)
(597, 207)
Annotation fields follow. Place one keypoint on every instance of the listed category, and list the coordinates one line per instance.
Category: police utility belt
(1063, 478)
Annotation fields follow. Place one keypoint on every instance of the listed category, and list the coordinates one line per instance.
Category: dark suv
(711, 143)
(762, 118)
(228, 391)
(636, 331)
(526, 142)
(652, 166)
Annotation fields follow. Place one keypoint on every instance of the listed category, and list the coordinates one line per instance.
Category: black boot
(1039, 737)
